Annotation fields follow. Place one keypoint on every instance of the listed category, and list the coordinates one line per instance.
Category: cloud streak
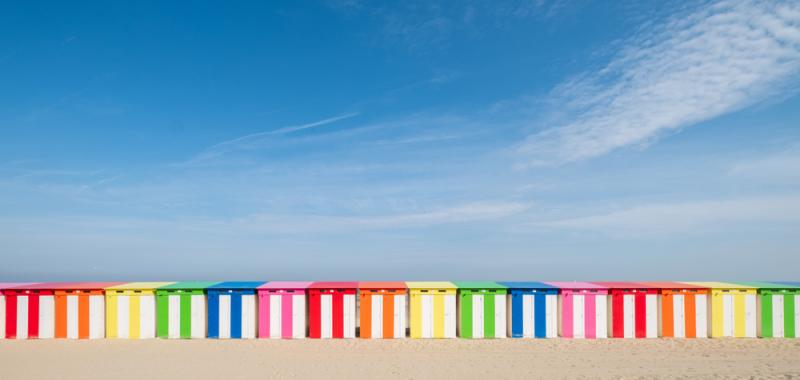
(694, 67)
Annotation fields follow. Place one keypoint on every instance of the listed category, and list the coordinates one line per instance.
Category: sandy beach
(402, 359)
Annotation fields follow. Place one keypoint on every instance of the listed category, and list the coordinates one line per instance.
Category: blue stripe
(540, 315)
(236, 315)
(213, 315)
(516, 315)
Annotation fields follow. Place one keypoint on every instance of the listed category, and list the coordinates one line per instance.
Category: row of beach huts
(293, 310)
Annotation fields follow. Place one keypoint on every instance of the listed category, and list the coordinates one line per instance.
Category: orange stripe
(61, 316)
(667, 316)
(691, 315)
(83, 316)
(366, 315)
(388, 315)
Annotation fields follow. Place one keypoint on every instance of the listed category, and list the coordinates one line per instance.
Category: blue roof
(238, 285)
(526, 285)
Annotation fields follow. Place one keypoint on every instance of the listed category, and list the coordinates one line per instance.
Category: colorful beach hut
(80, 310)
(383, 309)
(282, 310)
(684, 310)
(432, 309)
(583, 310)
(232, 309)
(332, 310)
(778, 309)
(181, 310)
(3, 320)
(131, 310)
(482, 309)
(733, 309)
(533, 309)
(633, 309)
(15, 308)
(31, 309)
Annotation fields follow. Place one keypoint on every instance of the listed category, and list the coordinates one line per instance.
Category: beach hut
(383, 309)
(282, 310)
(582, 309)
(11, 307)
(80, 310)
(633, 309)
(131, 310)
(232, 309)
(181, 310)
(778, 309)
(533, 309)
(733, 309)
(482, 309)
(432, 309)
(332, 310)
(684, 310)
(31, 311)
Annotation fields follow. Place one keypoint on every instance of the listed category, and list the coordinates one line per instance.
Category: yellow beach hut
(131, 310)
(433, 309)
(733, 310)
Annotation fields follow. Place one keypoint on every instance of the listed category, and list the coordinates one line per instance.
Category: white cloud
(697, 66)
(779, 167)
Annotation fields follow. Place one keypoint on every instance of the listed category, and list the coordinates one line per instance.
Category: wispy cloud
(694, 67)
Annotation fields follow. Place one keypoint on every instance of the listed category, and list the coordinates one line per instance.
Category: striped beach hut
(232, 309)
(181, 310)
(432, 309)
(282, 310)
(19, 301)
(684, 310)
(633, 309)
(733, 309)
(482, 309)
(81, 310)
(3, 320)
(332, 310)
(131, 310)
(533, 309)
(383, 309)
(778, 314)
(583, 310)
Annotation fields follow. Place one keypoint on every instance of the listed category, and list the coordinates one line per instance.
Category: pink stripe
(566, 315)
(590, 315)
(286, 315)
(263, 315)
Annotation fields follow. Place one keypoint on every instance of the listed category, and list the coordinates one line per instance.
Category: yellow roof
(140, 285)
(720, 285)
(430, 285)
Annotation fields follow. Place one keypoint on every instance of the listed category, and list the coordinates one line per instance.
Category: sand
(402, 359)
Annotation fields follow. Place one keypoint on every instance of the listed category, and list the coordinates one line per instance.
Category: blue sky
(400, 140)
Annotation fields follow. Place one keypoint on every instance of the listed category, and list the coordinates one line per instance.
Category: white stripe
(2, 316)
(601, 316)
(376, 330)
(224, 316)
(629, 316)
(349, 315)
(123, 316)
(427, 316)
(275, 319)
(750, 315)
(198, 324)
(528, 316)
(326, 309)
(147, 318)
(701, 309)
(678, 316)
(727, 315)
(97, 317)
(500, 316)
(400, 316)
(551, 315)
(651, 315)
(73, 316)
(777, 315)
(578, 311)
(248, 316)
(174, 316)
(450, 316)
(477, 315)
(299, 316)
(47, 317)
(22, 317)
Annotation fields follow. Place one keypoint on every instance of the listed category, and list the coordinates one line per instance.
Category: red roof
(334, 285)
(623, 285)
(382, 285)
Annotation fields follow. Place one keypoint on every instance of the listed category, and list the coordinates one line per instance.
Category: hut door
(499, 315)
(651, 315)
(477, 315)
(349, 316)
(399, 316)
(777, 315)
(701, 313)
(376, 330)
(678, 316)
(551, 315)
(325, 320)
(578, 316)
(629, 316)
(427, 316)
(298, 315)
(727, 315)
(749, 315)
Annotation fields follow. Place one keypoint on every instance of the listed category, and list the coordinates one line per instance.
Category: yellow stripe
(134, 317)
(438, 316)
(738, 315)
(111, 316)
(416, 316)
(717, 320)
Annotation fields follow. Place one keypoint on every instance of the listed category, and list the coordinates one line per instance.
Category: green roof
(189, 285)
(768, 285)
(478, 285)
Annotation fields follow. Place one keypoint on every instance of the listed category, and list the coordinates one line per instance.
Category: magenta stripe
(566, 314)
(263, 315)
(286, 315)
(590, 315)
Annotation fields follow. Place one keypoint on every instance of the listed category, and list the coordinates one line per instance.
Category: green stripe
(186, 315)
(788, 315)
(766, 315)
(162, 317)
(488, 315)
(466, 315)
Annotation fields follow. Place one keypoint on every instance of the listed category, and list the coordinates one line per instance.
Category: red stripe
(11, 316)
(618, 315)
(338, 314)
(33, 316)
(640, 302)
(313, 315)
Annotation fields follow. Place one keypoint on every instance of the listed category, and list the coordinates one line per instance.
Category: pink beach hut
(282, 310)
(583, 310)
